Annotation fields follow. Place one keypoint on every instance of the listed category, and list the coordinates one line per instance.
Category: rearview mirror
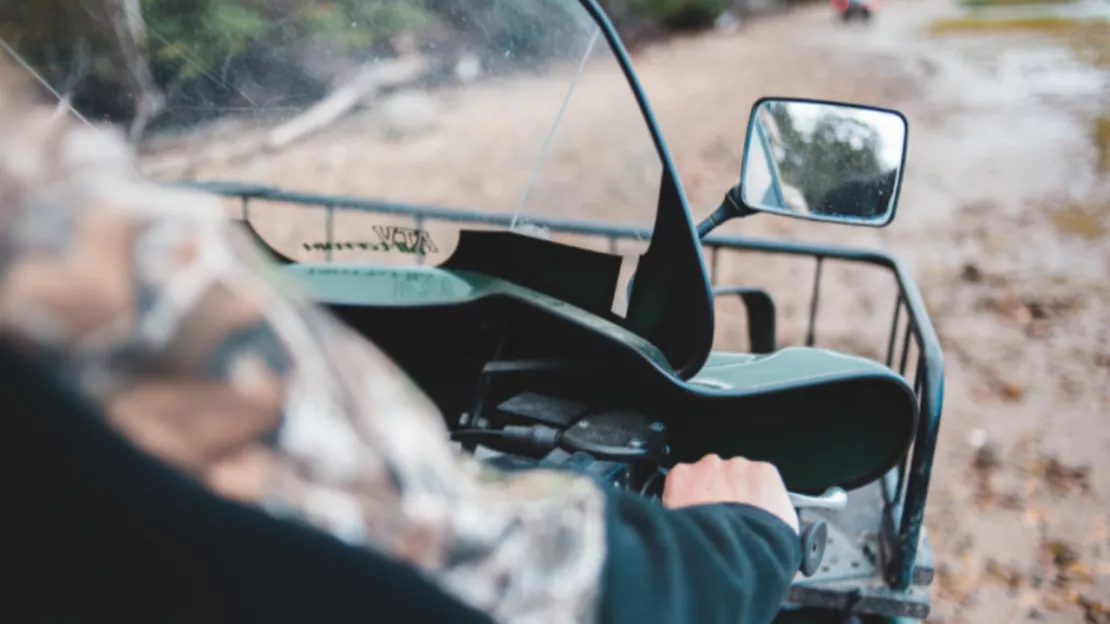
(824, 161)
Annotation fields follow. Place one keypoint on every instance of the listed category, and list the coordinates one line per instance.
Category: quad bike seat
(93, 527)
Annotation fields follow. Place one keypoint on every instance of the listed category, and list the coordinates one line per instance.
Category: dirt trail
(999, 146)
(999, 149)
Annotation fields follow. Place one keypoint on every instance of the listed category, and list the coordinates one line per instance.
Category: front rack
(907, 556)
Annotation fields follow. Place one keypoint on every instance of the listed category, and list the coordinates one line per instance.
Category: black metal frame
(800, 100)
(904, 490)
(907, 558)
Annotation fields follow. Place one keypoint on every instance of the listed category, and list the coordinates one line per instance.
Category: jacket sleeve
(712, 563)
(203, 354)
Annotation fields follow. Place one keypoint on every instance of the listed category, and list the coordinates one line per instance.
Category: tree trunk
(365, 83)
(126, 18)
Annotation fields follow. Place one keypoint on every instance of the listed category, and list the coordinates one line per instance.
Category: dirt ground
(1001, 219)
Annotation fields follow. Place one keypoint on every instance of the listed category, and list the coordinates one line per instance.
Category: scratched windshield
(515, 107)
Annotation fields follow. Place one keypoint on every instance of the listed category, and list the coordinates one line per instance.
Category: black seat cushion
(89, 527)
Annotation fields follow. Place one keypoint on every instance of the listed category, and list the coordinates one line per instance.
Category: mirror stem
(729, 209)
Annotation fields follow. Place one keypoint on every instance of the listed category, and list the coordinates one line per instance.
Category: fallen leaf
(1061, 478)
(1094, 611)
(971, 273)
(1076, 572)
(1003, 574)
(1063, 554)
(1010, 391)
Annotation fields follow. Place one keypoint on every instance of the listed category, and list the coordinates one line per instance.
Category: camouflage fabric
(202, 355)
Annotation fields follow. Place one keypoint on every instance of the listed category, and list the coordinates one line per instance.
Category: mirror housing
(823, 161)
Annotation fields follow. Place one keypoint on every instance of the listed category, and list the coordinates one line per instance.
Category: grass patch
(1039, 25)
(1089, 39)
(994, 3)
(1085, 221)
(1101, 136)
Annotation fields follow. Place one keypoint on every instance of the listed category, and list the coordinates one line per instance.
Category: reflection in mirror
(824, 160)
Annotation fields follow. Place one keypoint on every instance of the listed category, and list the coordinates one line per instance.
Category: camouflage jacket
(202, 354)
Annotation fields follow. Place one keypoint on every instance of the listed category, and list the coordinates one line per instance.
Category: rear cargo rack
(881, 537)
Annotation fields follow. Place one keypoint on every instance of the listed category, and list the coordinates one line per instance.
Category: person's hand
(736, 480)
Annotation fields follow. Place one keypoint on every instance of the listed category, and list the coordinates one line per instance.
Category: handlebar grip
(814, 535)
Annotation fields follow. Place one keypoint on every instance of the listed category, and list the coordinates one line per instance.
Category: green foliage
(989, 3)
(838, 148)
(47, 34)
(200, 51)
(1100, 136)
(198, 36)
(534, 30)
(389, 17)
(1089, 221)
(1088, 38)
(359, 23)
(680, 13)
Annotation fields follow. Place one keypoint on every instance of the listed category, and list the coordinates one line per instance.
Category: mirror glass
(826, 161)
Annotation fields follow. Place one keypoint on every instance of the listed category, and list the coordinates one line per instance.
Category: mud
(999, 146)
(1002, 219)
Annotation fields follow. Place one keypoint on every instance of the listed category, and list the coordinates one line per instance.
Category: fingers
(755, 471)
(712, 479)
(242, 476)
(734, 465)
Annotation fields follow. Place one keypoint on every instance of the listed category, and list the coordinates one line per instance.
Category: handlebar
(626, 451)
(834, 499)
(814, 536)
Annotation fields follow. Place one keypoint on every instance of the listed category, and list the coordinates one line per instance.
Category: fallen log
(368, 81)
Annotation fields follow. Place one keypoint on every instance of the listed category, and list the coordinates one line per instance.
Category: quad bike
(852, 9)
(519, 341)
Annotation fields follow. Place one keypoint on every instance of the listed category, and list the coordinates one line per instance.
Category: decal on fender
(390, 238)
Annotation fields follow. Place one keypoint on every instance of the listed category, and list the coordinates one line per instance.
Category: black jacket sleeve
(711, 563)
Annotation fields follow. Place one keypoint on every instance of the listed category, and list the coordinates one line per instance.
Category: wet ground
(1002, 219)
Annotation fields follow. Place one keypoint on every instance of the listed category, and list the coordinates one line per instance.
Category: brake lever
(833, 499)
(814, 536)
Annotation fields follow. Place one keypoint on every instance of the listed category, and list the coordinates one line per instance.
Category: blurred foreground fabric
(160, 308)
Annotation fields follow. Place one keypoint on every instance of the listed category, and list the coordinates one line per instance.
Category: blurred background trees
(171, 62)
(835, 149)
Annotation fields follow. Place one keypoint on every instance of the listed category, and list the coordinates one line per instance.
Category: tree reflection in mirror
(824, 160)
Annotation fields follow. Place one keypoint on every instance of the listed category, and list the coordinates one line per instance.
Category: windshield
(761, 172)
(517, 107)
(766, 154)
